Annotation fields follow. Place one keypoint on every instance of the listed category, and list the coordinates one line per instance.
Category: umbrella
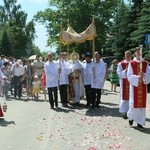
(32, 57)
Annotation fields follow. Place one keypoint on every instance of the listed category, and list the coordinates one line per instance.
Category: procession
(73, 80)
(72, 83)
(74, 75)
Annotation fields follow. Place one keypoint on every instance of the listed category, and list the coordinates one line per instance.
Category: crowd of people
(72, 76)
(75, 79)
(21, 74)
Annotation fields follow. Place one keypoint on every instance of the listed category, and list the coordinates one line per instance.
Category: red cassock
(125, 83)
(140, 91)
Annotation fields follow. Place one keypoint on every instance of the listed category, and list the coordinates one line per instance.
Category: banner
(70, 36)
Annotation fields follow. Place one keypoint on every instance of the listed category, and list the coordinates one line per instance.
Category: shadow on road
(108, 92)
(148, 119)
(5, 123)
(103, 111)
(109, 104)
(33, 100)
(65, 110)
(146, 131)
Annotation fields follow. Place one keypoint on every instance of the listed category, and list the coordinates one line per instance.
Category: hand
(141, 74)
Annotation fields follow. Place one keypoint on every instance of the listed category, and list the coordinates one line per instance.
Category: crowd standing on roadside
(76, 80)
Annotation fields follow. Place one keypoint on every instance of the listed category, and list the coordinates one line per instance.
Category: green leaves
(14, 26)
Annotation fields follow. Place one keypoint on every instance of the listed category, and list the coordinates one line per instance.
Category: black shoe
(51, 107)
(130, 122)
(97, 106)
(87, 105)
(124, 116)
(140, 127)
(77, 104)
(93, 106)
(65, 105)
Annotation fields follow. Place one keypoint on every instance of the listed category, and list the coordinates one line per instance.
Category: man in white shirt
(87, 65)
(97, 79)
(52, 74)
(17, 72)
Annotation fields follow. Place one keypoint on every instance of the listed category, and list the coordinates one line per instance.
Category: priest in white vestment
(138, 90)
(75, 76)
(124, 84)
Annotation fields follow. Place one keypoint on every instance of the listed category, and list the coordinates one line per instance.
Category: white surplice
(65, 71)
(97, 80)
(124, 104)
(52, 75)
(136, 114)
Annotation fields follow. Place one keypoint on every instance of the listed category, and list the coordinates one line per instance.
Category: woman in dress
(114, 79)
(29, 75)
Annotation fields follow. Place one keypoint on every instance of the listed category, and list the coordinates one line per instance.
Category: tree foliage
(13, 23)
(79, 15)
(119, 32)
(120, 26)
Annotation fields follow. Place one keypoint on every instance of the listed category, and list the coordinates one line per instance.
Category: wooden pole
(141, 48)
(93, 46)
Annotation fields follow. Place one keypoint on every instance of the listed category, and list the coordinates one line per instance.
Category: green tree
(19, 32)
(118, 40)
(35, 50)
(5, 45)
(79, 14)
(143, 24)
(133, 22)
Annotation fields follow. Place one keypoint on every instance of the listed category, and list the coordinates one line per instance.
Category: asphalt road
(32, 125)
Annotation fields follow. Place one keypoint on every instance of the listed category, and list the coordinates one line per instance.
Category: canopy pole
(93, 46)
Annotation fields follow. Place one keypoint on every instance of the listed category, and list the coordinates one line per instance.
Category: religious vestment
(124, 86)
(138, 91)
(63, 80)
(52, 74)
(74, 80)
(97, 81)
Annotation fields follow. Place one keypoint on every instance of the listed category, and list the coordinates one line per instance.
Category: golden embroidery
(139, 93)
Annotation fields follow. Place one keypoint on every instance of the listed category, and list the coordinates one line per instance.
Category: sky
(31, 7)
